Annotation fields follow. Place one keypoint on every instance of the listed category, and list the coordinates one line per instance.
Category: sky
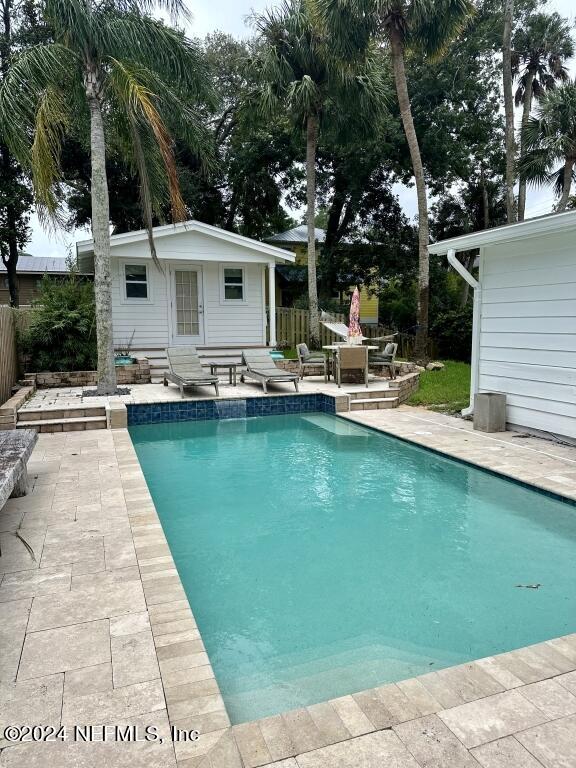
(230, 16)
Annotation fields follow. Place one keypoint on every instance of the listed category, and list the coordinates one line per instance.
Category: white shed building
(524, 328)
(212, 289)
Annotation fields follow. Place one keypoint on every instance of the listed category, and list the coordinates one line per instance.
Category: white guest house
(524, 331)
(214, 289)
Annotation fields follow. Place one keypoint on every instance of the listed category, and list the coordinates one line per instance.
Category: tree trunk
(9, 254)
(101, 236)
(10, 247)
(397, 50)
(525, 117)
(311, 143)
(468, 262)
(509, 109)
(485, 202)
(567, 184)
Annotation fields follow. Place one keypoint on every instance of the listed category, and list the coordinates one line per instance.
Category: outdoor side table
(231, 367)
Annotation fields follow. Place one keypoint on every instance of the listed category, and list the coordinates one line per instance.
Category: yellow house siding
(368, 306)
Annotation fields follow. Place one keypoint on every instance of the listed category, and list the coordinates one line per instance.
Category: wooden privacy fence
(293, 327)
(8, 355)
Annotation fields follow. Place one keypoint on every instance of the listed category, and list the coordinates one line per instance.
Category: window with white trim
(233, 284)
(136, 281)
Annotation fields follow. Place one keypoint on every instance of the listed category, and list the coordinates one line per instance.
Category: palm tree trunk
(525, 117)
(311, 143)
(397, 50)
(509, 109)
(101, 236)
(567, 184)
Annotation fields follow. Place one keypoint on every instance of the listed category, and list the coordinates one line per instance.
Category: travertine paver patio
(62, 397)
(97, 630)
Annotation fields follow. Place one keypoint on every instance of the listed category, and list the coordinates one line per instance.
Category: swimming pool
(322, 558)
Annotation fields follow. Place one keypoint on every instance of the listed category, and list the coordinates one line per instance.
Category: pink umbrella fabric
(354, 329)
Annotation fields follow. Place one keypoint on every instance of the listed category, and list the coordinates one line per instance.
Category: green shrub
(452, 332)
(61, 333)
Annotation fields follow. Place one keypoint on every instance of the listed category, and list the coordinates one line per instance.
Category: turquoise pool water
(321, 558)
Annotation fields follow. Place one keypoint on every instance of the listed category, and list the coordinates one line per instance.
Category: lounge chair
(307, 359)
(260, 366)
(186, 370)
(351, 359)
(385, 359)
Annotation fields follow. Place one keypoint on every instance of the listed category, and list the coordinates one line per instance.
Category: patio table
(231, 367)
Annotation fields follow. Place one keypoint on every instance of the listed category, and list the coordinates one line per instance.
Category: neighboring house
(210, 290)
(30, 271)
(524, 332)
(292, 280)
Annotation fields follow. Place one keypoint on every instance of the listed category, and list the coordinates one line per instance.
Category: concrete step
(78, 424)
(373, 403)
(369, 394)
(56, 414)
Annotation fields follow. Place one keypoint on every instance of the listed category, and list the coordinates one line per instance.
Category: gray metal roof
(38, 264)
(297, 235)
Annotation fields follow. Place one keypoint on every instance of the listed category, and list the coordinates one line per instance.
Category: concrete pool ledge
(98, 629)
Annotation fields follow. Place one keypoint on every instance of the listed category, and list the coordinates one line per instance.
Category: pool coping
(278, 737)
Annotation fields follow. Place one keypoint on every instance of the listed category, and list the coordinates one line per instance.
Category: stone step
(371, 393)
(77, 424)
(57, 414)
(373, 403)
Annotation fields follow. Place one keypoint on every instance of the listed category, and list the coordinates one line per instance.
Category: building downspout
(463, 272)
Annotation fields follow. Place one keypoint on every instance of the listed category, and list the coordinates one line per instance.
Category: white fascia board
(545, 225)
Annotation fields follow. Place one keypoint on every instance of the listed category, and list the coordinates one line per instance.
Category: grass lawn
(447, 390)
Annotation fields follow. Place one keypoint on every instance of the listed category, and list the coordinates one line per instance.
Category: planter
(124, 360)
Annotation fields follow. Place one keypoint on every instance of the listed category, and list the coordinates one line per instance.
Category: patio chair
(351, 359)
(307, 359)
(186, 370)
(385, 358)
(260, 366)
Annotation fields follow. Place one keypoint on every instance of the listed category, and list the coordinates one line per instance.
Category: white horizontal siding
(545, 357)
(233, 323)
(528, 331)
(149, 320)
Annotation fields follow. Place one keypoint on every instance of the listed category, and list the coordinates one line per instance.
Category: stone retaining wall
(9, 410)
(406, 385)
(138, 373)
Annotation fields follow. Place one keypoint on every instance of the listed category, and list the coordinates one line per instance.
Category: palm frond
(139, 101)
(166, 51)
(31, 73)
(52, 120)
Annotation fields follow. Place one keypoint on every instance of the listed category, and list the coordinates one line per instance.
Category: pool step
(63, 419)
(365, 394)
(373, 403)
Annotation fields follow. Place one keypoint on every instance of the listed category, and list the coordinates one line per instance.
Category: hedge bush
(61, 332)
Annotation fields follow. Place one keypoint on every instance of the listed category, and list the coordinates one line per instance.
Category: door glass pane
(187, 317)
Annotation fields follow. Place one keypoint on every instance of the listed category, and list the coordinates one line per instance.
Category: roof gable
(86, 247)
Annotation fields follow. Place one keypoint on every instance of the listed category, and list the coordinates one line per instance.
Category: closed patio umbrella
(354, 331)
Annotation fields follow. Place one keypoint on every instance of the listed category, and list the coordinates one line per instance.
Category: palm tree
(507, 84)
(540, 51)
(301, 74)
(112, 68)
(428, 27)
(550, 141)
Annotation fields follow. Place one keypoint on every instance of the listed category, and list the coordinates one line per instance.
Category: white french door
(187, 309)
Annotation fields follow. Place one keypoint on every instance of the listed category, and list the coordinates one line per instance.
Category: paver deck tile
(373, 750)
(505, 753)
(553, 743)
(434, 745)
(64, 648)
(492, 718)
(551, 698)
